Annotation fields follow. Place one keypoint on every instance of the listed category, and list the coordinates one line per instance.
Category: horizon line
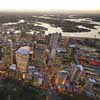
(50, 10)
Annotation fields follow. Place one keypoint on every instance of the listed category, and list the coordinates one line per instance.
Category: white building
(76, 72)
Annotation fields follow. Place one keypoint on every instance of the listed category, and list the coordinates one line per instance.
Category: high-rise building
(76, 72)
(66, 42)
(23, 55)
(61, 79)
(54, 40)
(40, 55)
(54, 43)
(1, 53)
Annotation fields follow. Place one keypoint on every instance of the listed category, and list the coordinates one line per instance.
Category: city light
(56, 55)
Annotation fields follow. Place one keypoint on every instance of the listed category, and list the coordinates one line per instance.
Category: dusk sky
(17, 5)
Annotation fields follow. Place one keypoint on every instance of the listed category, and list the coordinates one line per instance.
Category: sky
(18, 5)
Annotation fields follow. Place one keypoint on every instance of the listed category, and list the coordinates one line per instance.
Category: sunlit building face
(22, 61)
(17, 5)
(22, 58)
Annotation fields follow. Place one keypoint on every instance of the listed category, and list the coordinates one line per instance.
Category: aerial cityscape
(49, 54)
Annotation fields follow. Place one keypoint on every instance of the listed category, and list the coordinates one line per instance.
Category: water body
(94, 33)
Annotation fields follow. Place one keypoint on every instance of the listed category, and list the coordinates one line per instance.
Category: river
(94, 33)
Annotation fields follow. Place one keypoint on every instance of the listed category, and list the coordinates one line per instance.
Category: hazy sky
(49, 4)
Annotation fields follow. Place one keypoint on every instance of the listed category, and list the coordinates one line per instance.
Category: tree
(15, 90)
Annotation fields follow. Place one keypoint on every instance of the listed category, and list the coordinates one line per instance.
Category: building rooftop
(24, 50)
(80, 67)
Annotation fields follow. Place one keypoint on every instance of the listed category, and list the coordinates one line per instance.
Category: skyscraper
(54, 43)
(23, 55)
(76, 72)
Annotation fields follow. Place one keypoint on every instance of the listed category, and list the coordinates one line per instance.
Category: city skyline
(44, 5)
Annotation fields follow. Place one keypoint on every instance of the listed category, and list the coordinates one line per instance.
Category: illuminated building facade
(23, 55)
(61, 79)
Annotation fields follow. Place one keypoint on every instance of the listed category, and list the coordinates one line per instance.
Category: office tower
(23, 55)
(54, 43)
(76, 72)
